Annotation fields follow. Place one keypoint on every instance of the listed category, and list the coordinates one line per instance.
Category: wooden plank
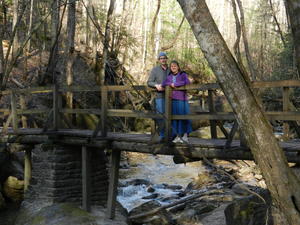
(278, 83)
(32, 90)
(168, 113)
(32, 111)
(133, 113)
(196, 152)
(5, 110)
(127, 88)
(81, 111)
(77, 88)
(284, 116)
(86, 179)
(13, 103)
(113, 183)
(104, 106)
(285, 108)
(27, 168)
(213, 123)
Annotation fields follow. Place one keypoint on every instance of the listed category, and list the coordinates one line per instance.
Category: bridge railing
(56, 112)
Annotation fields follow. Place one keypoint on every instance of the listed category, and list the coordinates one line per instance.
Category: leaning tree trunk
(293, 9)
(282, 182)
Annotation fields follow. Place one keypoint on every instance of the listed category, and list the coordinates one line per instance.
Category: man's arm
(152, 79)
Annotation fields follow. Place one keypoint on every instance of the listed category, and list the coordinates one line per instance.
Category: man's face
(163, 60)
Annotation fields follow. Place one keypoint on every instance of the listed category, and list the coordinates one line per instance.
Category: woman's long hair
(175, 62)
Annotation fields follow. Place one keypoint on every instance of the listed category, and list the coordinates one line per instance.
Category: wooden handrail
(104, 112)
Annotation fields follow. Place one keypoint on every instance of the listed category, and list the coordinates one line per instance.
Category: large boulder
(13, 189)
(161, 217)
(250, 210)
(57, 214)
(2, 201)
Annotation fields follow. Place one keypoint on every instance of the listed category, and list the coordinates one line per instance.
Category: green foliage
(285, 69)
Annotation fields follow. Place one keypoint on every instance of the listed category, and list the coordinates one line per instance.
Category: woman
(180, 105)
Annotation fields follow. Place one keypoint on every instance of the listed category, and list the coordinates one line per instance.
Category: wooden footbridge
(59, 129)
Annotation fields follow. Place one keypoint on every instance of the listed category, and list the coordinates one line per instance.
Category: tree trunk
(15, 45)
(69, 52)
(30, 24)
(277, 23)
(282, 182)
(293, 9)
(236, 46)
(153, 31)
(245, 39)
(172, 42)
(145, 34)
(106, 41)
(2, 24)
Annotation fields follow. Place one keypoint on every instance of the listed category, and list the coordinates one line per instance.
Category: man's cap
(162, 54)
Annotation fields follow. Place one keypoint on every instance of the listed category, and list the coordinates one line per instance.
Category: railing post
(27, 169)
(23, 106)
(14, 111)
(211, 107)
(103, 111)
(285, 106)
(168, 114)
(56, 107)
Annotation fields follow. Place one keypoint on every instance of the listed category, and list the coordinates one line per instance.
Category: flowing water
(159, 176)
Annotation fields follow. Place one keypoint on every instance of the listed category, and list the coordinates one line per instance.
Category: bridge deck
(197, 148)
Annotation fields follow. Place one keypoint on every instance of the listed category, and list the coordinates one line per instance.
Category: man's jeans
(160, 109)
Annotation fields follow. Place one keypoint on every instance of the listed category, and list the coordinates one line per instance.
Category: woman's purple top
(179, 79)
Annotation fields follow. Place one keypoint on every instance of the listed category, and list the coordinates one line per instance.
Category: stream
(154, 177)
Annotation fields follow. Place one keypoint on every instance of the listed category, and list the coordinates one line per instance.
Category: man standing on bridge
(157, 75)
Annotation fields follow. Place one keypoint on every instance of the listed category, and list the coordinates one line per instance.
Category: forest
(116, 42)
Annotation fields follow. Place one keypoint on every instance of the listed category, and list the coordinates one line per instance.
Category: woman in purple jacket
(180, 105)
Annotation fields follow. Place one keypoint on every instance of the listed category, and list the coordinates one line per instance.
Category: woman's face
(174, 68)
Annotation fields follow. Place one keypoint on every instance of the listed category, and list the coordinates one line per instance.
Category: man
(157, 75)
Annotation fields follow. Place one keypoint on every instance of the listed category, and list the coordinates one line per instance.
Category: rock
(13, 189)
(258, 176)
(2, 202)
(216, 217)
(4, 155)
(202, 180)
(136, 182)
(194, 211)
(57, 214)
(155, 195)
(249, 210)
(150, 189)
(12, 166)
(169, 198)
(162, 217)
(173, 186)
(240, 189)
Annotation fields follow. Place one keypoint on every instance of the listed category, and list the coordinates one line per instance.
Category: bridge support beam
(113, 183)
(86, 179)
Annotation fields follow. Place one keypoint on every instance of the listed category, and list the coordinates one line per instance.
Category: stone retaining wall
(56, 175)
